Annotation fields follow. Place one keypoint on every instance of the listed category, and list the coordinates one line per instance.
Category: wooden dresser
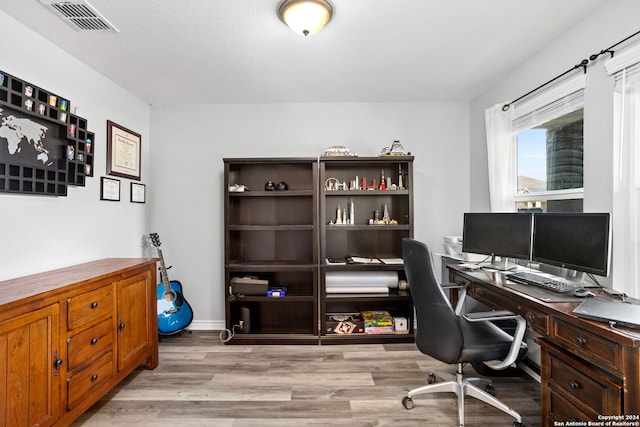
(589, 372)
(68, 336)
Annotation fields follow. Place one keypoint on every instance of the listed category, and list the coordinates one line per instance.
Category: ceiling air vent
(80, 15)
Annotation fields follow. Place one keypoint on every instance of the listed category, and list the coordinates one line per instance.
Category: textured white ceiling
(238, 51)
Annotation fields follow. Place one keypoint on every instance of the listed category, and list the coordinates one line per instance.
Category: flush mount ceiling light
(305, 16)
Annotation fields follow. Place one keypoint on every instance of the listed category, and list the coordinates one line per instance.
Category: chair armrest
(462, 294)
(521, 326)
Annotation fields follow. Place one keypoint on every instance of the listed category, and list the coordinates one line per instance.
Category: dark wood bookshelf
(284, 237)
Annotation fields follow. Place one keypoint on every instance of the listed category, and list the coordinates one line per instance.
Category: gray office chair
(446, 335)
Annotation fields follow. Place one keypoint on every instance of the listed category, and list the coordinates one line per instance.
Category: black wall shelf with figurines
(43, 146)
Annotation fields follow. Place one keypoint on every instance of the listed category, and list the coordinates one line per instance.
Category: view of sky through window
(532, 154)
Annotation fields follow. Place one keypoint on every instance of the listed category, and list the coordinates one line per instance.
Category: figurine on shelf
(396, 149)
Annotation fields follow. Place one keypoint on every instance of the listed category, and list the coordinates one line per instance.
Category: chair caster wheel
(517, 424)
(491, 390)
(431, 379)
(407, 402)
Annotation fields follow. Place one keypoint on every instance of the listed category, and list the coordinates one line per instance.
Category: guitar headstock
(155, 239)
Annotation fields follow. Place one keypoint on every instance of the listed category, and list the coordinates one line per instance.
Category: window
(540, 139)
(550, 165)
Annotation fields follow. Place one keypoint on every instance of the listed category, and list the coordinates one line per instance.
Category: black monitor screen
(578, 241)
(500, 234)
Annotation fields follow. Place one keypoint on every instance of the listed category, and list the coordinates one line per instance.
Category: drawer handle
(94, 377)
(530, 317)
(580, 340)
(94, 304)
(482, 292)
(94, 341)
(574, 385)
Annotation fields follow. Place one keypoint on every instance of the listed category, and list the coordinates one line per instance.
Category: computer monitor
(507, 235)
(577, 241)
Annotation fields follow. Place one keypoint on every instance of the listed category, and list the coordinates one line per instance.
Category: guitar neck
(163, 272)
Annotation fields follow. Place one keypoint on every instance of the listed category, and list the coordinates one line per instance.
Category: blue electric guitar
(174, 312)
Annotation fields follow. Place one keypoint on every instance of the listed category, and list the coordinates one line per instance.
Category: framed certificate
(138, 193)
(109, 189)
(123, 151)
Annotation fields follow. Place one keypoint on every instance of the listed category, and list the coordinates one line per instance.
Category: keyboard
(528, 278)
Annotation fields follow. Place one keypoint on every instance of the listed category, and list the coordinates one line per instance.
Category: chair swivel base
(461, 386)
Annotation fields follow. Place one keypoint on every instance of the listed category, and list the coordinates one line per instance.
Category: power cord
(227, 334)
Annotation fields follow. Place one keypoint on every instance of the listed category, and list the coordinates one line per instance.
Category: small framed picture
(138, 193)
(109, 189)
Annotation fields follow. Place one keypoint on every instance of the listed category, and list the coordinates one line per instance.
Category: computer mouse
(582, 293)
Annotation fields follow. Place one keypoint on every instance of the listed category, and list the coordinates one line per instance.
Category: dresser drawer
(87, 380)
(589, 388)
(591, 347)
(90, 306)
(86, 345)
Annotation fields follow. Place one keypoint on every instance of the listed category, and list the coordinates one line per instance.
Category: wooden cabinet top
(35, 285)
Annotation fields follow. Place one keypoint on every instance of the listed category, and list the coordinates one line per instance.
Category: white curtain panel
(501, 157)
(626, 188)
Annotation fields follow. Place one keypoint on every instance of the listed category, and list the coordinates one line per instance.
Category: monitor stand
(502, 265)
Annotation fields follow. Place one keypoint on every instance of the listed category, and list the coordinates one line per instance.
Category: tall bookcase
(346, 181)
(272, 235)
(286, 236)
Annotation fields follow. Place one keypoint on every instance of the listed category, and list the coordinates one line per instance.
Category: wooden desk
(588, 371)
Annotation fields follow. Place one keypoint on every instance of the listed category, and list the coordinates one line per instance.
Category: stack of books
(377, 322)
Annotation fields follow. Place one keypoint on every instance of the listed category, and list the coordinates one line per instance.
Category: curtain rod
(582, 64)
(609, 49)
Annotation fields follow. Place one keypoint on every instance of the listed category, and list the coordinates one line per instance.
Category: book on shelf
(336, 261)
(363, 260)
(393, 261)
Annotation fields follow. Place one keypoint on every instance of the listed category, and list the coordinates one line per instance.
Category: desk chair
(446, 335)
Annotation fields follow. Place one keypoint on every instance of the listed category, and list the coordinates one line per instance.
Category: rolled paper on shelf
(362, 278)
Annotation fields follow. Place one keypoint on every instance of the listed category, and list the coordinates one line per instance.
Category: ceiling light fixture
(305, 16)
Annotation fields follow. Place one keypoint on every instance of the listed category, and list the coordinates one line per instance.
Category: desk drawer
(493, 299)
(536, 320)
(85, 308)
(591, 347)
(89, 379)
(86, 345)
(594, 391)
(561, 411)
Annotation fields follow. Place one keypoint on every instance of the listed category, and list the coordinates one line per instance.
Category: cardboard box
(344, 323)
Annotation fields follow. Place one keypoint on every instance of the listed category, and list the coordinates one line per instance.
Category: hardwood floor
(201, 382)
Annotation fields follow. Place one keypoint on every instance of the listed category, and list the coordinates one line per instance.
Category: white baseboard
(207, 325)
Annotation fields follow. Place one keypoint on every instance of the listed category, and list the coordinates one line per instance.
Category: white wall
(190, 142)
(38, 233)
